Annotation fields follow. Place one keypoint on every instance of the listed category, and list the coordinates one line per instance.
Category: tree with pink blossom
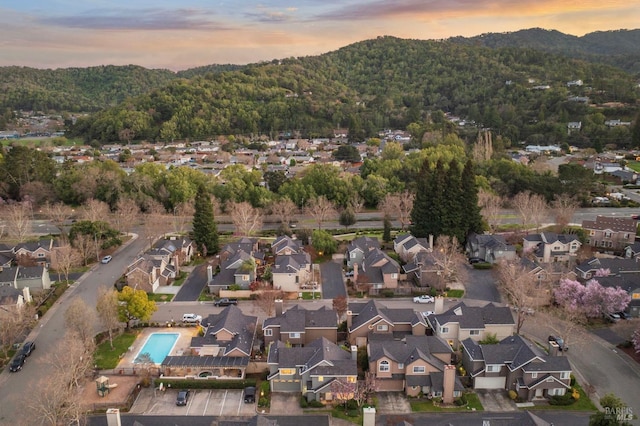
(592, 300)
(636, 340)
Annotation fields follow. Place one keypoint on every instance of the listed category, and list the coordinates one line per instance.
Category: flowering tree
(636, 340)
(592, 300)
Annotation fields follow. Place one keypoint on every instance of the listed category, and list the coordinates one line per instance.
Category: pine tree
(386, 230)
(472, 217)
(205, 232)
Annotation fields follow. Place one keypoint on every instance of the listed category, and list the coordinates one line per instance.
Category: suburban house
(11, 299)
(379, 271)
(148, 273)
(177, 250)
(423, 270)
(291, 271)
(358, 248)
(407, 246)
(490, 248)
(35, 278)
(298, 326)
(632, 251)
(365, 319)
(224, 350)
(607, 266)
(237, 269)
(519, 365)
(318, 370)
(551, 247)
(461, 322)
(37, 251)
(414, 364)
(610, 233)
(285, 245)
(247, 245)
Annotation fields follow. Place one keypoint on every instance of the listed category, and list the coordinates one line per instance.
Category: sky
(182, 34)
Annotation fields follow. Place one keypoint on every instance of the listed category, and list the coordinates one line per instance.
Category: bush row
(207, 384)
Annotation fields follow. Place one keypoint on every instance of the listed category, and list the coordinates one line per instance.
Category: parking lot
(202, 402)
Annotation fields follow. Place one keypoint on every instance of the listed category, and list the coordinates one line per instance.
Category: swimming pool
(158, 346)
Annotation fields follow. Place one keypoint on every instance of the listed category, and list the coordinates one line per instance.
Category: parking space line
(204, 413)
(223, 400)
(240, 405)
(189, 404)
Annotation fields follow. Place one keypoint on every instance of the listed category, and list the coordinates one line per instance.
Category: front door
(539, 393)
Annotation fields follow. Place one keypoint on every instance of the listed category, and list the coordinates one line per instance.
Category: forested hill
(371, 85)
(620, 48)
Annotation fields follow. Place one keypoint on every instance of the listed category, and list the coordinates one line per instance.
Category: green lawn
(582, 404)
(634, 165)
(161, 297)
(427, 405)
(107, 358)
(309, 295)
(180, 279)
(455, 293)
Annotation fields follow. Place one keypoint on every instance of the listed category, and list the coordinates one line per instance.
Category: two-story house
(35, 278)
(423, 270)
(461, 322)
(551, 247)
(516, 364)
(148, 274)
(407, 246)
(364, 319)
(291, 271)
(490, 248)
(285, 245)
(358, 248)
(298, 326)
(238, 269)
(610, 233)
(613, 266)
(36, 251)
(414, 364)
(378, 270)
(317, 371)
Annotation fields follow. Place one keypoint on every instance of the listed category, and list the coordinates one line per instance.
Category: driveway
(202, 402)
(393, 403)
(495, 400)
(285, 403)
(332, 281)
(481, 285)
(193, 285)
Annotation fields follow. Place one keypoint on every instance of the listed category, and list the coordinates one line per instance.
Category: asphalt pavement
(481, 285)
(193, 285)
(332, 282)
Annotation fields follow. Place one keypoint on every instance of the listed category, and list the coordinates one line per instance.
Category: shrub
(461, 401)
(316, 404)
(353, 413)
(263, 402)
(352, 404)
(575, 394)
(387, 293)
(565, 399)
(482, 266)
(209, 384)
(303, 402)
(513, 395)
(572, 383)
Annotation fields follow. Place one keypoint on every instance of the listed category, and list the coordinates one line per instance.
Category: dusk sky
(181, 34)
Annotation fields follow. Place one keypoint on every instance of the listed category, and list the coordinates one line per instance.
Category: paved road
(193, 285)
(16, 387)
(481, 285)
(332, 282)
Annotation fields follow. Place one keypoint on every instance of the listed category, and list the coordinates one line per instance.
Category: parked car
(474, 260)
(17, 363)
(191, 318)
(425, 298)
(183, 397)
(348, 274)
(613, 317)
(560, 342)
(106, 259)
(623, 315)
(225, 302)
(28, 347)
(427, 313)
(250, 395)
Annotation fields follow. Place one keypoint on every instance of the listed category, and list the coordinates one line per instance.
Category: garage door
(489, 382)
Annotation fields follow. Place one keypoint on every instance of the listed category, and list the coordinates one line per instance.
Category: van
(249, 395)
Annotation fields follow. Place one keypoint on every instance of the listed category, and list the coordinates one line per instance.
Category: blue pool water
(158, 346)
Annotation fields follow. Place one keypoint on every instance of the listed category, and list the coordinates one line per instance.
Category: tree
(284, 209)
(320, 209)
(181, 215)
(616, 412)
(95, 211)
(366, 388)
(386, 229)
(126, 214)
(84, 246)
(64, 258)
(79, 319)
(107, 308)
(530, 207)
(266, 300)
(340, 305)
(448, 257)
(591, 300)
(347, 218)
(343, 390)
(347, 153)
(134, 304)
(398, 205)
(564, 207)
(323, 242)
(205, 233)
(246, 219)
(521, 288)
(18, 220)
(635, 339)
(58, 214)
(490, 207)
(13, 325)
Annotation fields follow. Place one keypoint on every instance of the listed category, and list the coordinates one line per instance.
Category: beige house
(291, 271)
(379, 271)
(373, 318)
(462, 322)
(610, 233)
(298, 326)
(550, 247)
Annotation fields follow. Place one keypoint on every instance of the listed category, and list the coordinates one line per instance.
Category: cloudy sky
(180, 34)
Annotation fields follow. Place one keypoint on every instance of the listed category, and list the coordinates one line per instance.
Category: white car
(427, 313)
(425, 298)
(191, 318)
(106, 259)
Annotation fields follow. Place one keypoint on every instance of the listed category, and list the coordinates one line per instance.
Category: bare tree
(530, 207)
(51, 402)
(521, 287)
(366, 388)
(356, 202)
(79, 318)
(58, 214)
(564, 207)
(107, 307)
(182, 216)
(284, 209)
(398, 205)
(539, 210)
(246, 219)
(84, 244)
(449, 259)
(64, 258)
(13, 325)
(95, 210)
(490, 205)
(266, 300)
(126, 214)
(18, 219)
(320, 209)
(155, 221)
(340, 305)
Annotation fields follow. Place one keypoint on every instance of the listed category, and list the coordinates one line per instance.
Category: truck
(225, 301)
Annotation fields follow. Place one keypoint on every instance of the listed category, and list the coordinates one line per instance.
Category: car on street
(17, 363)
(249, 394)
(614, 317)
(474, 260)
(27, 348)
(623, 315)
(183, 397)
(560, 342)
(425, 298)
(225, 301)
(191, 318)
(106, 259)
(427, 313)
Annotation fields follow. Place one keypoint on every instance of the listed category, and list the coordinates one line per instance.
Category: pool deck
(180, 348)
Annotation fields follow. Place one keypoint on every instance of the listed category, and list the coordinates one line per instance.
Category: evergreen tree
(471, 216)
(205, 232)
(386, 232)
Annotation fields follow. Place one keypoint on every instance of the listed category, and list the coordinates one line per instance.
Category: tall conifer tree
(205, 232)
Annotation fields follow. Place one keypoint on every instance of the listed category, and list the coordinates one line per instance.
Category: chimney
(355, 272)
(279, 307)
(431, 242)
(369, 414)
(439, 305)
(349, 319)
(554, 348)
(448, 383)
(354, 352)
(113, 417)
(209, 274)
(26, 295)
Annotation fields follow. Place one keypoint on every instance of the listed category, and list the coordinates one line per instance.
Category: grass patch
(426, 405)
(309, 295)
(582, 404)
(455, 293)
(353, 416)
(634, 165)
(180, 280)
(161, 297)
(205, 296)
(107, 358)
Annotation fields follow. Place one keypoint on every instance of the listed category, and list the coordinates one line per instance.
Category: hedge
(207, 384)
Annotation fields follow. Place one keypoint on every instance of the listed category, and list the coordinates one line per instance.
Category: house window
(353, 254)
(383, 366)
(564, 375)
(321, 378)
(474, 332)
(607, 234)
(418, 369)
(574, 246)
(394, 276)
(268, 332)
(556, 391)
(457, 394)
(352, 379)
(493, 368)
(287, 371)
(592, 233)
(294, 335)
(534, 375)
(444, 329)
(40, 254)
(401, 366)
(382, 327)
(626, 236)
(245, 278)
(437, 394)
(550, 379)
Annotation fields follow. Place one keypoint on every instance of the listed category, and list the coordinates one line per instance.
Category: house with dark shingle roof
(516, 364)
(551, 247)
(148, 273)
(316, 370)
(614, 266)
(414, 364)
(610, 233)
(240, 269)
(378, 270)
(286, 245)
(35, 278)
(358, 248)
(365, 319)
(461, 322)
(298, 326)
(407, 246)
(490, 248)
(291, 271)
(38, 251)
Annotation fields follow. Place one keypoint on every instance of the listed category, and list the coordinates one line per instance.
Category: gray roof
(291, 263)
(366, 312)
(320, 353)
(205, 361)
(614, 265)
(471, 317)
(235, 322)
(437, 380)
(9, 295)
(299, 319)
(363, 243)
(410, 348)
(616, 224)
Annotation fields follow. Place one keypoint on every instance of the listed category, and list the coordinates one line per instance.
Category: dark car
(183, 397)
(17, 363)
(474, 260)
(28, 347)
(623, 315)
(250, 395)
(559, 341)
